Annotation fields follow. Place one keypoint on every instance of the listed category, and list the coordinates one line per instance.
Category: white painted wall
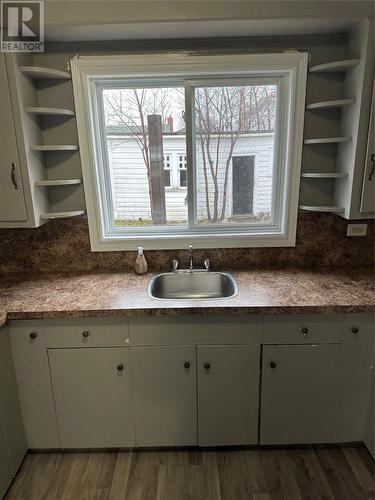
(129, 179)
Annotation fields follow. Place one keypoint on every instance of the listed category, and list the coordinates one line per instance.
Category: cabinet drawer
(303, 329)
(196, 329)
(87, 332)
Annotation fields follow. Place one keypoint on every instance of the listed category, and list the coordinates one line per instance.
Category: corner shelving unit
(319, 188)
(51, 141)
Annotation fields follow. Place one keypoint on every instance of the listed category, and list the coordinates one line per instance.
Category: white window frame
(289, 68)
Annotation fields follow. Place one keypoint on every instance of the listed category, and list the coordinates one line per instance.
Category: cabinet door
(92, 397)
(298, 393)
(10, 405)
(12, 202)
(228, 394)
(354, 377)
(6, 474)
(368, 188)
(34, 384)
(164, 392)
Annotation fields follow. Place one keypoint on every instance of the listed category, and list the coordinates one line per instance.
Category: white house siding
(129, 179)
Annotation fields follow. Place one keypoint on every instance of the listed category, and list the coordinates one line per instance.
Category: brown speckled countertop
(115, 294)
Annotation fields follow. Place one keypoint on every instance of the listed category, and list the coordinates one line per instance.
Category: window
(190, 149)
(167, 170)
(182, 175)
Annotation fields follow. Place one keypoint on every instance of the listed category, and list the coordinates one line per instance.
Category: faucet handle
(206, 263)
(175, 264)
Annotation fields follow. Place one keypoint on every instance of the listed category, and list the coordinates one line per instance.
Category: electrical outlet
(356, 230)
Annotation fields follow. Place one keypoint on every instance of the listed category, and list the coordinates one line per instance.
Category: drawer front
(303, 329)
(87, 332)
(164, 330)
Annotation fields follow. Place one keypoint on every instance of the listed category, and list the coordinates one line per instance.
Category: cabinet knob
(304, 330)
(273, 364)
(33, 335)
(120, 368)
(85, 334)
(355, 330)
(186, 365)
(207, 366)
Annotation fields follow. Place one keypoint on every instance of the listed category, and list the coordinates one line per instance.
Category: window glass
(142, 124)
(234, 153)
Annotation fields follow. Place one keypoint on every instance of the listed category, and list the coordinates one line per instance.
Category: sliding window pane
(143, 127)
(234, 150)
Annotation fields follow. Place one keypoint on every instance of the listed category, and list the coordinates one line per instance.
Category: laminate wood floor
(344, 473)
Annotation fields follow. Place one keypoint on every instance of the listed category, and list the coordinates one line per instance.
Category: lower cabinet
(13, 445)
(228, 394)
(164, 395)
(6, 473)
(93, 397)
(88, 383)
(298, 393)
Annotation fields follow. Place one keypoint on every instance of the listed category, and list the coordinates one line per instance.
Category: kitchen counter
(123, 294)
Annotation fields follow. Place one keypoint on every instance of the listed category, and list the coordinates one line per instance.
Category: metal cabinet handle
(120, 368)
(186, 365)
(33, 335)
(207, 366)
(273, 364)
(355, 330)
(85, 334)
(372, 167)
(304, 330)
(13, 175)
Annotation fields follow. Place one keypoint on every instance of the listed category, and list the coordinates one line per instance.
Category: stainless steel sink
(192, 284)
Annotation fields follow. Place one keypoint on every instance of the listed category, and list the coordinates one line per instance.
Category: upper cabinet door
(12, 202)
(164, 394)
(368, 189)
(228, 394)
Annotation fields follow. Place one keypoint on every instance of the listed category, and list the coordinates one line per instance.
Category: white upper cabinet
(12, 199)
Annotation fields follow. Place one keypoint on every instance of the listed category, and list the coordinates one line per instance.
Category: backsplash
(63, 245)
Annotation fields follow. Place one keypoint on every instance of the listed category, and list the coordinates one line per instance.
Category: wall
(64, 246)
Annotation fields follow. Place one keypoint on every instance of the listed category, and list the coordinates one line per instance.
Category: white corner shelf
(340, 103)
(42, 73)
(335, 66)
(40, 110)
(54, 147)
(61, 215)
(330, 209)
(324, 175)
(58, 182)
(327, 140)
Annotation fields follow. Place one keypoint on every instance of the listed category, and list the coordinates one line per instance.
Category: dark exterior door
(243, 184)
